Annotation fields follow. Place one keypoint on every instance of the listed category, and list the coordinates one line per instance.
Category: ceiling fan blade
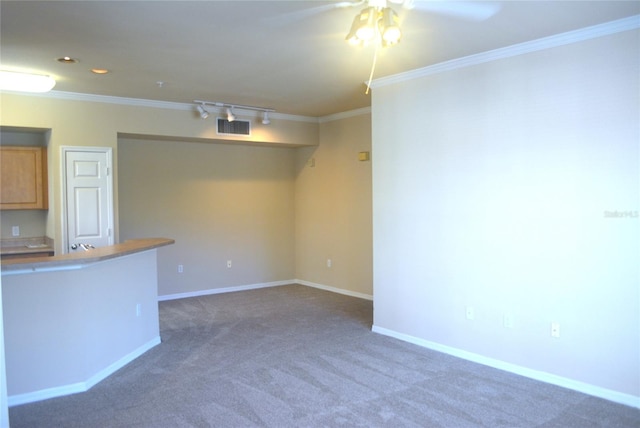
(470, 10)
(312, 11)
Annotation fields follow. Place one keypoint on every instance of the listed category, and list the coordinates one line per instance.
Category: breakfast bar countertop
(80, 258)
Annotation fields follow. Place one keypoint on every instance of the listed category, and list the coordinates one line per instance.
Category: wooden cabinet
(23, 178)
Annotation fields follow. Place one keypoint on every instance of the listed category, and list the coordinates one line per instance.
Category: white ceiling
(260, 53)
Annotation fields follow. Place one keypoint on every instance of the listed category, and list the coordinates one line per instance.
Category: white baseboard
(263, 285)
(334, 289)
(224, 290)
(596, 391)
(59, 391)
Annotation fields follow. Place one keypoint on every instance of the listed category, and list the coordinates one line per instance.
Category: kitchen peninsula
(72, 320)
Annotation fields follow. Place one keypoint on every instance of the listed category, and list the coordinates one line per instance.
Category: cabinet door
(23, 178)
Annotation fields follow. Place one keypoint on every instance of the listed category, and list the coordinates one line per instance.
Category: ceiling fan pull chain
(373, 67)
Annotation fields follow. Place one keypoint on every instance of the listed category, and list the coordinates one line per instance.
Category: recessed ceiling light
(67, 60)
(99, 70)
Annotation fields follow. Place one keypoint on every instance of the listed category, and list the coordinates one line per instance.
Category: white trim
(596, 391)
(263, 285)
(106, 99)
(608, 28)
(224, 290)
(45, 268)
(108, 151)
(345, 115)
(112, 368)
(74, 388)
(140, 102)
(334, 289)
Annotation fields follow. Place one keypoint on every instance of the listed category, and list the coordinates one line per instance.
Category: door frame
(63, 163)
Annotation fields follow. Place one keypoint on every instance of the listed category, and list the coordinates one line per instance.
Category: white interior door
(89, 204)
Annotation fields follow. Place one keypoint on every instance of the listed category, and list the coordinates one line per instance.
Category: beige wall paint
(257, 206)
(219, 202)
(81, 122)
(32, 223)
(333, 207)
(280, 221)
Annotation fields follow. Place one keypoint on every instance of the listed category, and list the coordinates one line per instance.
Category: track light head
(203, 112)
(265, 118)
(230, 116)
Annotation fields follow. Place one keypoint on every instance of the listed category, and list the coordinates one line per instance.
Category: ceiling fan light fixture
(366, 26)
(380, 24)
(352, 36)
(389, 27)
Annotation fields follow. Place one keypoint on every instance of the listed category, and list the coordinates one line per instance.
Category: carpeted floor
(295, 356)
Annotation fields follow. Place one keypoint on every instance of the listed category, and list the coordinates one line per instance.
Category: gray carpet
(294, 356)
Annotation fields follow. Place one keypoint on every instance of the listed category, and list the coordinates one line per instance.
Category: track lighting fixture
(229, 110)
(230, 116)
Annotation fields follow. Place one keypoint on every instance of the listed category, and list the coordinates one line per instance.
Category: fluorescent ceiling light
(24, 82)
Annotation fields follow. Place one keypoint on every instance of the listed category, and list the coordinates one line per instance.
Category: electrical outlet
(470, 312)
(555, 329)
(229, 263)
(15, 230)
(329, 263)
(138, 309)
(180, 268)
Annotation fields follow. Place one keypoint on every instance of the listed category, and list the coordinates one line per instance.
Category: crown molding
(139, 102)
(345, 114)
(587, 33)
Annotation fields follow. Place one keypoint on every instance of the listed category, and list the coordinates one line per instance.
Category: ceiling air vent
(237, 127)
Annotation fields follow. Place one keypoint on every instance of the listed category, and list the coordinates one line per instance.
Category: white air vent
(237, 127)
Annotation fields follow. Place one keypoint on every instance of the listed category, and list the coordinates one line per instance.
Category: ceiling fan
(468, 10)
(378, 23)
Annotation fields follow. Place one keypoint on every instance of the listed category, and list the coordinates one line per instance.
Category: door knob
(85, 247)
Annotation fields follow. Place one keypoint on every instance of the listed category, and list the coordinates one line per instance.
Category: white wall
(66, 330)
(4, 404)
(490, 187)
